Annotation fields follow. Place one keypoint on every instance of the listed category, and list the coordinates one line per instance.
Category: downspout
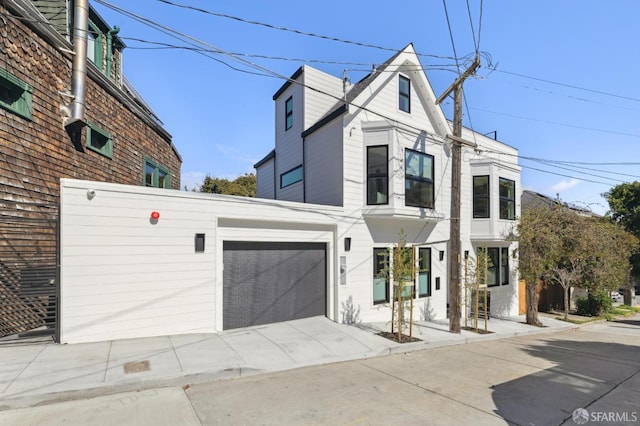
(110, 35)
(79, 71)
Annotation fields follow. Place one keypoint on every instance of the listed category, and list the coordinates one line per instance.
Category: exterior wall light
(347, 244)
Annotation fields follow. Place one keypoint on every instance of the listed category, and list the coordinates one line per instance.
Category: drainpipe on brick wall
(110, 35)
(79, 71)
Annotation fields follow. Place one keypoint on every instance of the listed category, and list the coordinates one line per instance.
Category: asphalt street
(591, 373)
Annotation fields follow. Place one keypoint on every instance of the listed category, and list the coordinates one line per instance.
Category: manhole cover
(136, 367)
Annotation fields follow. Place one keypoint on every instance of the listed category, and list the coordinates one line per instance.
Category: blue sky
(564, 89)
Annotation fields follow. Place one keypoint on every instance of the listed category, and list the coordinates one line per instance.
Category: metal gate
(29, 272)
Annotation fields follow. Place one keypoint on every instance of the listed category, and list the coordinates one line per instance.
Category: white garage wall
(124, 275)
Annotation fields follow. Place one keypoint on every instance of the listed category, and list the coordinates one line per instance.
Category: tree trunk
(566, 302)
(532, 304)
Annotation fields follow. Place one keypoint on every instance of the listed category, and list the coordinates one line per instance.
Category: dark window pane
(377, 175)
(507, 199)
(149, 170)
(504, 266)
(424, 272)
(418, 183)
(291, 177)
(404, 95)
(380, 282)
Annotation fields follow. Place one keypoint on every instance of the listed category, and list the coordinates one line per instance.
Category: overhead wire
(292, 30)
(270, 73)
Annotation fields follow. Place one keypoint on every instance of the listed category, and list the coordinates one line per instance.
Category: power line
(453, 45)
(566, 85)
(559, 124)
(473, 32)
(292, 30)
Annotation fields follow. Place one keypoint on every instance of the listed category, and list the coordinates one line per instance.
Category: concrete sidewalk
(31, 374)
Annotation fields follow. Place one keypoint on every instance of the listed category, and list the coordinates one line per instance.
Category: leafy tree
(244, 185)
(572, 250)
(624, 208)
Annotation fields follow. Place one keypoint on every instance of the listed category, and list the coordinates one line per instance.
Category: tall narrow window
(288, 114)
(424, 272)
(405, 256)
(380, 274)
(418, 179)
(95, 48)
(377, 175)
(404, 100)
(481, 202)
(504, 265)
(15, 94)
(507, 199)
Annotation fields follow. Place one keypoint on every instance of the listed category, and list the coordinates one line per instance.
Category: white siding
(316, 104)
(124, 275)
(289, 142)
(266, 180)
(323, 165)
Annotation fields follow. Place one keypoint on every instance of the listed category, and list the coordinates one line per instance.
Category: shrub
(595, 304)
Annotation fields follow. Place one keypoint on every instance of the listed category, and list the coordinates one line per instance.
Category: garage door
(265, 282)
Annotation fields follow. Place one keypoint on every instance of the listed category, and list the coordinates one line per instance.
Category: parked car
(616, 296)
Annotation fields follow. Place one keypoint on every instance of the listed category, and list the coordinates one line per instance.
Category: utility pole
(456, 175)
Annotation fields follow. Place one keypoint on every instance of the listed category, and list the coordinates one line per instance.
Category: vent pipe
(79, 71)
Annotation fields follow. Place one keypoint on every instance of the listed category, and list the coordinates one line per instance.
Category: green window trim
(95, 38)
(154, 175)
(16, 96)
(99, 140)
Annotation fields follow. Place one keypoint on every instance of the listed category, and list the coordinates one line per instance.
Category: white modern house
(353, 166)
(379, 149)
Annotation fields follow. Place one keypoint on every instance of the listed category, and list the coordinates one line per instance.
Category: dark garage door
(265, 282)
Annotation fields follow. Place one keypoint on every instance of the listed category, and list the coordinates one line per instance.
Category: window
(504, 265)
(424, 272)
(404, 101)
(380, 280)
(507, 199)
(377, 175)
(418, 179)
(481, 197)
(288, 114)
(291, 177)
(498, 269)
(99, 141)
(155, 175)
(406, 257)
(94, 45)
(15, 94)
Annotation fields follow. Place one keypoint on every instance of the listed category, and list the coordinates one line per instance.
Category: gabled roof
(532, 199)
(352, 95)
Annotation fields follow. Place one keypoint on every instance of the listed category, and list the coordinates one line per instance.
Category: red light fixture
(155, 215)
